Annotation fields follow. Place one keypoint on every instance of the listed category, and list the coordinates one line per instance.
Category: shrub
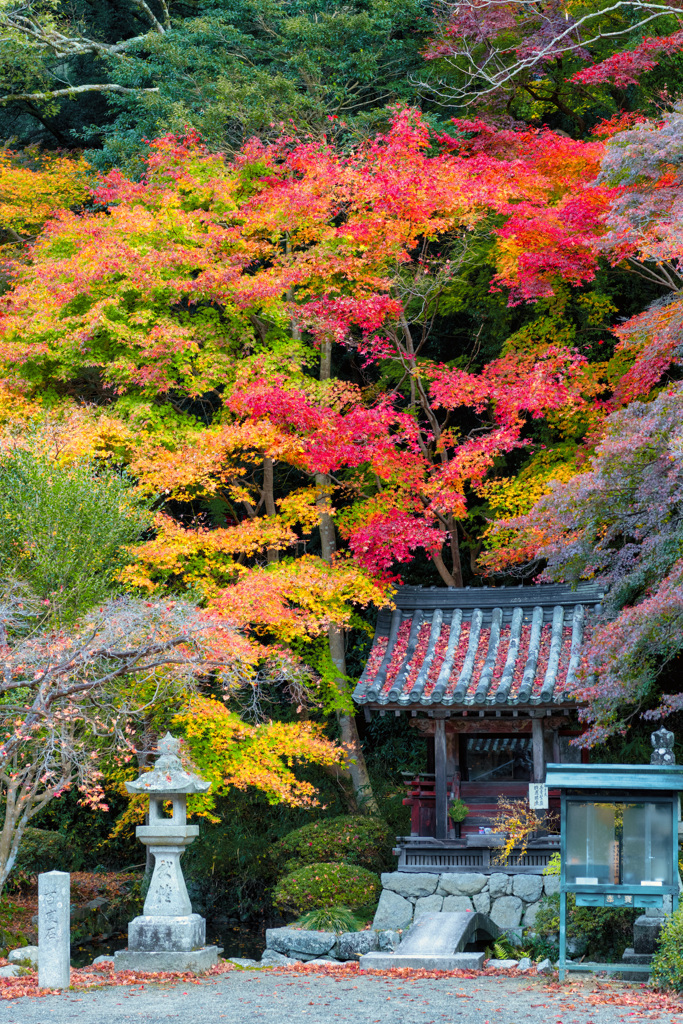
(349, 839)
(458, 810)
(41, 850)
(330, 919)
(667, 963)
(63, 529)
(607, 931)
(326, 885)
(554, 865)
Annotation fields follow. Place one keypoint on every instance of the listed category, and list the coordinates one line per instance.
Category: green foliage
(245, 67)
(326, 885)
(554, 865)
(232, 867)
(503, 949)
(88, 832)
(393, 750)
(231, 69)
(63, 529)
(330, 919)
(11, 934)
(41, 850)
(607, 931)
(667, 963)
(458, 810)
(350, 839)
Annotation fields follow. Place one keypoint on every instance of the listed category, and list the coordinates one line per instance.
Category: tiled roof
(481, 646)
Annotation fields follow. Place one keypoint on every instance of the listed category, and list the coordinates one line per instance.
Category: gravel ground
(246, 997)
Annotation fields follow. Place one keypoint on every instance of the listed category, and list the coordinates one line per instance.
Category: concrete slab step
(422, 962)
(436, 942)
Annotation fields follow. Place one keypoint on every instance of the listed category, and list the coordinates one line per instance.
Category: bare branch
(49, 38)
(166, 14)
(74, 90)
(488, 67)
(154, 21)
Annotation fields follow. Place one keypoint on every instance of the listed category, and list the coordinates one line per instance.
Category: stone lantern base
(171, 960)
(158, 943)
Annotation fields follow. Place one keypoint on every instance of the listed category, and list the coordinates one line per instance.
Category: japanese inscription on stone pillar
(54, 937)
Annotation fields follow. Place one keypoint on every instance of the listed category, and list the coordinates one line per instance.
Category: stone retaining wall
(511, 901)
(286, 945)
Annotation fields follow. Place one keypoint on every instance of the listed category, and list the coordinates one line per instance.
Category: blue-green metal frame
(614, 783)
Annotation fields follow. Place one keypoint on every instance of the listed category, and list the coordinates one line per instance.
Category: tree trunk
(272, 554)
(442, 569)
(455, 551)
(355, 761)
(452, 578)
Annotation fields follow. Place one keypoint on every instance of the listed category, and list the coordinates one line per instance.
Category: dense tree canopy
(336, 296)
(112, 74)
(571, 64)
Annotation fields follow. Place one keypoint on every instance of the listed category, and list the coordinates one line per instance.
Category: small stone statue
(663, 744)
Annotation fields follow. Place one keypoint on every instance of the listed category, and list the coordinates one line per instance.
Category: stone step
(437, 941)
(422, 962)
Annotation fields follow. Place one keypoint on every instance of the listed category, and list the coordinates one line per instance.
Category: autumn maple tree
(209, 276)
(228, 285)
(61, 695)
(34, 186)
(618, 521)
(267, 255)
(538, 61)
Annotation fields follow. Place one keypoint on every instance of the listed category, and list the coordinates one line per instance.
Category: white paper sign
(538, 796)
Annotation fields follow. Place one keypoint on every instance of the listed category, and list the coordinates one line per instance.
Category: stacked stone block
(285, 945)
(511, 901)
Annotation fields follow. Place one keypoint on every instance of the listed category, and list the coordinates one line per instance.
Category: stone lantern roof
(168, 775)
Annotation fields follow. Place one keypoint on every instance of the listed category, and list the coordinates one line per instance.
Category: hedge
(349, 839)
(667, 963)
(326, 885)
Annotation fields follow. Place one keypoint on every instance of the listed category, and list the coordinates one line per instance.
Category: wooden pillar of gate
(441, 778)
(538, 747)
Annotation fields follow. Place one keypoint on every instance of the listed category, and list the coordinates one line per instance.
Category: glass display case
(619, 838)
(619, 843)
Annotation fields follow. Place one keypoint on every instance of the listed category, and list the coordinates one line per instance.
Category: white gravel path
(268, 997)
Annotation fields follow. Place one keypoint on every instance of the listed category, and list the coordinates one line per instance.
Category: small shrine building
(484, 673)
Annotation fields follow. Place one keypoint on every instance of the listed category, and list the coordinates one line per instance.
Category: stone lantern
(167, 936)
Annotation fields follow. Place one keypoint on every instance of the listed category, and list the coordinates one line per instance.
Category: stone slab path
(270, 997)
